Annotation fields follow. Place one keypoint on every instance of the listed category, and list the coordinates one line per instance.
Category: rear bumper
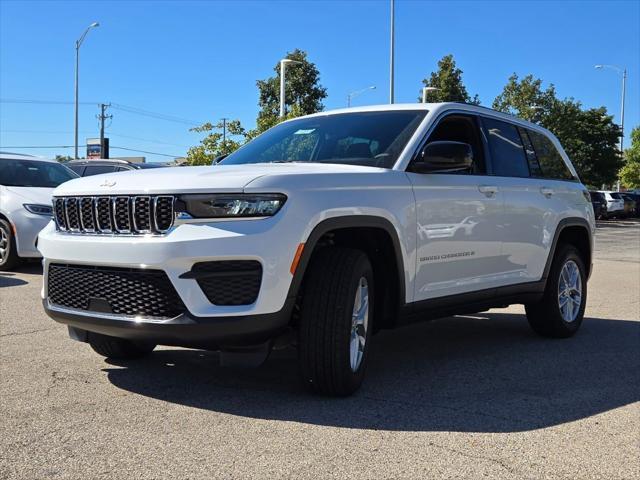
(185, 330)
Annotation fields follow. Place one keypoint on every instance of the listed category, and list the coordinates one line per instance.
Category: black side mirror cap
(443, 156)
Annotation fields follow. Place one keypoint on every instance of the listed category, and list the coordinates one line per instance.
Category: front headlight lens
(39, 209)
(230, 205)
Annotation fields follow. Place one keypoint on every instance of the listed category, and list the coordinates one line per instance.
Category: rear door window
(97, 170)
(550, 160)
(532, 159)
(508, 155)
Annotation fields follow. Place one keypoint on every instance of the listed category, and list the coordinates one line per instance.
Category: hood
(37, 195)
(219, 178)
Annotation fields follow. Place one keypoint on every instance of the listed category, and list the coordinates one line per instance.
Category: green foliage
(630, 172)
(588, 136)
(63, 158)
(448, 79)
(303, 92)
(216, 143)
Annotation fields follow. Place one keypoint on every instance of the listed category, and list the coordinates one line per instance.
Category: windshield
(30, 173)
(373, 139)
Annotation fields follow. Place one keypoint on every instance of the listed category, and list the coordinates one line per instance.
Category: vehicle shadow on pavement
(30, 267)
(8, 280)
(486, 373)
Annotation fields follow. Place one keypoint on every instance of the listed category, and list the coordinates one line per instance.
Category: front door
(458, 220)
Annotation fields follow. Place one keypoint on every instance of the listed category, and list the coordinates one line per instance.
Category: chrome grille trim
(115, 214)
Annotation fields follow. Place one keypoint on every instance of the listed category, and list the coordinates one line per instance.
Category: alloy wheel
(570, 291)
(359, 324)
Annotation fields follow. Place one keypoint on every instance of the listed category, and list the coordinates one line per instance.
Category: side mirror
(443, 156)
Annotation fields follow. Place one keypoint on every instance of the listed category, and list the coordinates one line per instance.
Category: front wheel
(8, 254)
(336, 321)
(560, 312)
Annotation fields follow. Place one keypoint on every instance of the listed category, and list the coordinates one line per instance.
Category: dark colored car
(599, 204)
(86, 168)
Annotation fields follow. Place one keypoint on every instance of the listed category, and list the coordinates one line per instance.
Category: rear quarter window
(551, 163)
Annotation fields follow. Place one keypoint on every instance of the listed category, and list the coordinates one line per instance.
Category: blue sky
(199, 60)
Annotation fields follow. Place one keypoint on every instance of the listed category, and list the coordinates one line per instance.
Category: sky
(197, 61)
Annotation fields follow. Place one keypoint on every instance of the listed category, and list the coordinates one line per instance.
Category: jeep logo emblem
(107, 183)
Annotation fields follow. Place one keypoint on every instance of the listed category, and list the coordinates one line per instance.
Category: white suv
(322, 231)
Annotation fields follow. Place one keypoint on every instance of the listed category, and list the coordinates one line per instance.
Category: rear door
(458, 219)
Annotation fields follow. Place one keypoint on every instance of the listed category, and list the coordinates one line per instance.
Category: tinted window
(364, 138)
(534, 166)
(97, 170)
(29, 173)
(551, 162)
(462, 128)
(615, 195)
(77, 168)
(507, 152)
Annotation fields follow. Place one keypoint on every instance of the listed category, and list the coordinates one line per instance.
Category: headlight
(230, 205)
(39, 209)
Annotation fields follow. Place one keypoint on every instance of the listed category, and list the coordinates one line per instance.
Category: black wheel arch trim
(342, 222)
(562, 225)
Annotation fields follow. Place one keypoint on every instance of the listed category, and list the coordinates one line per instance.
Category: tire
(333, 280)
(546, 318)
(8, 252)
(118, 348)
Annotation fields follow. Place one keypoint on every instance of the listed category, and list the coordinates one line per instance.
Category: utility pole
(102, 117)
(78, 44)
(391, 54)
(224, 129)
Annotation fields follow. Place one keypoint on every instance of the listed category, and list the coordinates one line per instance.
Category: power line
(145, 151)
(88, 132)
(73, 146)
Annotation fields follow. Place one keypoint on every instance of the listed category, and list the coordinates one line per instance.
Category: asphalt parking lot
(468, 397)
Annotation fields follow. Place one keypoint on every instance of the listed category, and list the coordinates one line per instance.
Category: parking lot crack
(13, 334)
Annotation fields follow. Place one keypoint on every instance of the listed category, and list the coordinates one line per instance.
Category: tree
(630, 172)
(525, 98)
(217, 142)
(448, 81)
(303, 92)
(588, 136)
(63, 158)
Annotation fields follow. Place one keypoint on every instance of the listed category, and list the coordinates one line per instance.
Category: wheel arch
(577, 232)
(377, 237)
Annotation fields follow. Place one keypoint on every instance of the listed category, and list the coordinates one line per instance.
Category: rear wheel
(118, 348)
(8, 254)
(560, 312)
(336, 321)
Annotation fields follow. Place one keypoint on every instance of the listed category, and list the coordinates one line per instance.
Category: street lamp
(283, 64)
(358, 92)
(392, 54)
(78, 43)
(426, 90)
(624, 82)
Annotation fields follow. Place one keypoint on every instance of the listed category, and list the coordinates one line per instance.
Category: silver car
(26, 183)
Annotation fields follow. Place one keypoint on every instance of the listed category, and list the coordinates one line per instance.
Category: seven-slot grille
(122, 214)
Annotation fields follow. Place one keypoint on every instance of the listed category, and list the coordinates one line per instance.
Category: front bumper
(27, 226)
(183, 331)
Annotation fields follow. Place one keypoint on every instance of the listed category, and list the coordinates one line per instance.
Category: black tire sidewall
(11, 259)
(568, 253)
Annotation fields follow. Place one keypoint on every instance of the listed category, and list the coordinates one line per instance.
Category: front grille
(229, 282)
(123, 214)
(122, 291)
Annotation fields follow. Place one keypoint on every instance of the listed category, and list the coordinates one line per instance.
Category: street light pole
(283, 64)
(358, 92)
(391, 54)
(624, 87)
(78, 44)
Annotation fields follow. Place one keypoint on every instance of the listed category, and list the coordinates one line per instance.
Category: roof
(21, 156)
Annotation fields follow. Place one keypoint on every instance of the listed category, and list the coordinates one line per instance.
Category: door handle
(547, 192)
(488, 190)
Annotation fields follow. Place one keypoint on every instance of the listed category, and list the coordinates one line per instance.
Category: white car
(318, 233)
(26, 184)
(615, 203)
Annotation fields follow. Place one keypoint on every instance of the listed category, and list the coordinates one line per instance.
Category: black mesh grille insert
(229, 282)
(58, 210)
(87, 213)
(164, 213)
(73, 213)
(121, 214)
(103, 213)
(142, 213)
(148, 293)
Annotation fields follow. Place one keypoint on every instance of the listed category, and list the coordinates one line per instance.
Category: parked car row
(607, 204)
